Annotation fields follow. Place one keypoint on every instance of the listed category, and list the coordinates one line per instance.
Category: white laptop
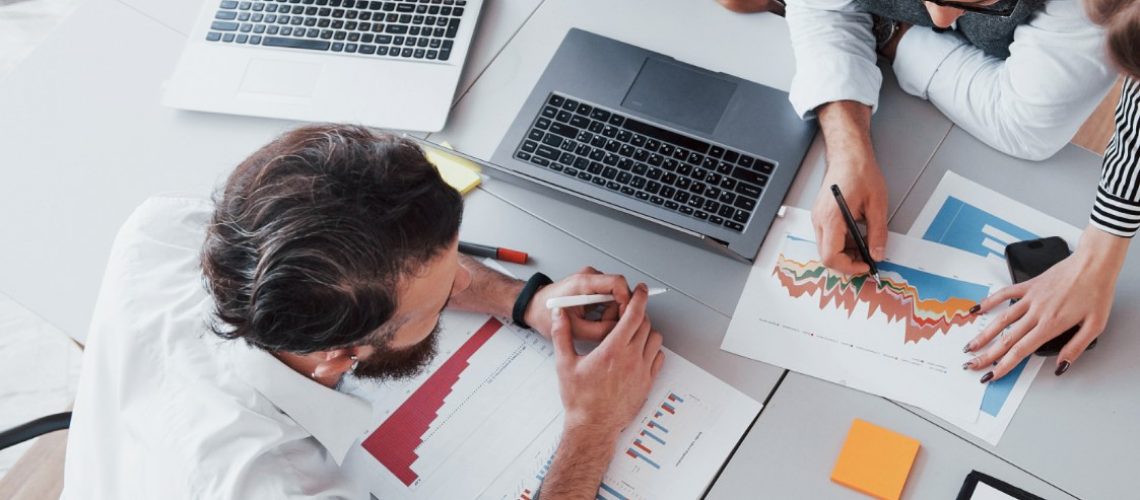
(384, 63)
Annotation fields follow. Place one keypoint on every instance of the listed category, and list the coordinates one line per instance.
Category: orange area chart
(929, 303)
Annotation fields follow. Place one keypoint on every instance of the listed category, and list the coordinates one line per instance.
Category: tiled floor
(39, 365)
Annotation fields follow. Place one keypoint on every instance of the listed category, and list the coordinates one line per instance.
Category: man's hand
(586, 282)
(601, 393)
(753, 6)
(851, 165)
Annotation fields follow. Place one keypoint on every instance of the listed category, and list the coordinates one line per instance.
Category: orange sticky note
(875, 461)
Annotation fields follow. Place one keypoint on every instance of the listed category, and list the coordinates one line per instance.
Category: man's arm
(835, 55)
(851, 165)
(1028, 105)
(601, 393)
(490, 291)
(581, 460)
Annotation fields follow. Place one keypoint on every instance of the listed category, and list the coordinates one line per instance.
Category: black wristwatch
(884, 30)
(533, 285)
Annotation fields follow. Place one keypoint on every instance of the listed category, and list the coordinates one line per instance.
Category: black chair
(35, 428)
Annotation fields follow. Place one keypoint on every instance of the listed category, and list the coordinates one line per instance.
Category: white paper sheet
(968, 216)
(902, 340)
(486, 418)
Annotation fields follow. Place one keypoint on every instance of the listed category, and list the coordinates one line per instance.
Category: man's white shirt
(1029, 105)
(166, 409)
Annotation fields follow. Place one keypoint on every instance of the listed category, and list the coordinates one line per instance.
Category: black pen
(853, 228)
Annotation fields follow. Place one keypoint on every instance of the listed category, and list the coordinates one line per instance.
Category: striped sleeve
(1117, 206)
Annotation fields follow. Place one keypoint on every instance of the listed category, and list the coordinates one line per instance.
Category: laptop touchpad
(674, 93)
(286, 78)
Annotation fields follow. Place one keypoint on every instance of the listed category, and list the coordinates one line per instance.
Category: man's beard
(387, 363)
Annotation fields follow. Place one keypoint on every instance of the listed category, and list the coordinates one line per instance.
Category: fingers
(610, 311)
(594, 331)
(613, 284)
(832, 243)
(653, 346)
(1020, 349)
(631, 319)
(1002, 347)
(1008, 293)
(642, 335)
(876, 216)
(657, 362)
(1012, 314)
(1090, 330)
(562, 338)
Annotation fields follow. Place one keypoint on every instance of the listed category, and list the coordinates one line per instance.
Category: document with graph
(901, 338)
(967, 216)
(485, 420)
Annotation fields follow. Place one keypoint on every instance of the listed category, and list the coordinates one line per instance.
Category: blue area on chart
(933, 286)
(959, 224)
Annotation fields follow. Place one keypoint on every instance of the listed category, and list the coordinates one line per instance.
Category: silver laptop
(705, 156)
(384, 63)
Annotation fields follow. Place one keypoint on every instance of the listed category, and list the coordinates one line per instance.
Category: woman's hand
(1076, 291)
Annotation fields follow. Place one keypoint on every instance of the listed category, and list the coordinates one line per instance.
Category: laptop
(704, 156)
(385, 63)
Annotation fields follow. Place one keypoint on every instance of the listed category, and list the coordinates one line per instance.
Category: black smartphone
(1027, 260)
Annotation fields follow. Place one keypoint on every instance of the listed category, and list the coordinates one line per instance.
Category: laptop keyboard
(407, 29)
(660, 167)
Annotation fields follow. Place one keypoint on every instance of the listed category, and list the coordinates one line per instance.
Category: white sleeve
(835, 55)
(1028, 105)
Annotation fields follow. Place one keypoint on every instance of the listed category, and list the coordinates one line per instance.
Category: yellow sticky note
(875, 461)
(457, 172)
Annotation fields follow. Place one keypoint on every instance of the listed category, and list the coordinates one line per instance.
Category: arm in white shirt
(835, 55)
(1028, 105)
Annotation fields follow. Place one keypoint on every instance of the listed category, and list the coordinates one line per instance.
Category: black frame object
(975, 477)
(35, 428)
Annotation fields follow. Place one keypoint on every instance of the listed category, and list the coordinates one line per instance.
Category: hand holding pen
(842, 245)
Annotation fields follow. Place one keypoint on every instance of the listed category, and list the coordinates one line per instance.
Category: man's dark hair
(312, 235)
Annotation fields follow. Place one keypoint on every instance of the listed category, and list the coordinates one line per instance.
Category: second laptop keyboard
(643, 161)
(408, 29)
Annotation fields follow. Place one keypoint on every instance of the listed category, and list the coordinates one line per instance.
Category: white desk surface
(86, 141)
(792, 448)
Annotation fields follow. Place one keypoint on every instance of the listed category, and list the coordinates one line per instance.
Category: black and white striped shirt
(1117, 207)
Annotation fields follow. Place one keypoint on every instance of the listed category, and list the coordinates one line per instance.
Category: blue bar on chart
(675, 398)
(963, 226)
(652, 436)
(654, 425)
(613, 493)
(637, 454)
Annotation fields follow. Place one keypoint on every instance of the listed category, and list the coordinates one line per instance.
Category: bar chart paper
(485, 419)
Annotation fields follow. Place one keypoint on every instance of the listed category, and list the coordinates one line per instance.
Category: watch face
(883, 29)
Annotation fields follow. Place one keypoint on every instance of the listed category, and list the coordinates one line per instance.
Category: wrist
(579, 428)
(1101, 251)
(521, 310)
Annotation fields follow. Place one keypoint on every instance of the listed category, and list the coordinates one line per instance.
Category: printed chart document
(901, 339)
(486, 417)
(967, 216)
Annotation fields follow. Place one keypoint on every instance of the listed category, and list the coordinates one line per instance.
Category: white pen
(585, 300)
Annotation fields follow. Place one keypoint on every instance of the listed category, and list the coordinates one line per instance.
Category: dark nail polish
(987, 377)
(966, 365)
(1064, 367)
(975, 309)
(966, 349)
